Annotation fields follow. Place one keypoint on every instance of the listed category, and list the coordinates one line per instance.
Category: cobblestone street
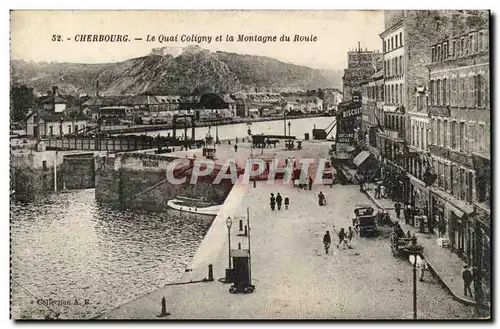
(294, 278)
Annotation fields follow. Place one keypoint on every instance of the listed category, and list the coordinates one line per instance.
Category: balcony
(392, 135)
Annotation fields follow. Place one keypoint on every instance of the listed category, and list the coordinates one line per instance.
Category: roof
(49, 116)
(226, 98)
(122, 100)
(116, 108)
(53, 99)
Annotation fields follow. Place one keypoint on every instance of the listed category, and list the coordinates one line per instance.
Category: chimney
(54, 91)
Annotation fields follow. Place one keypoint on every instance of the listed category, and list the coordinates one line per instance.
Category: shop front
(458, 226)
(419, 198)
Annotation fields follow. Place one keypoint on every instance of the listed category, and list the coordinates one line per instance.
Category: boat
(194, 206)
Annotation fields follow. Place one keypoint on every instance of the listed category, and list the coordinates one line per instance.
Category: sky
(336, 31)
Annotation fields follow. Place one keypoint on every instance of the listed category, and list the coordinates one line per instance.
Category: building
(373, 111)
(51, 117)
(257, 104)
(163, 51)
(361, 64)
(460, 114)
(331, 100)
(304, 104)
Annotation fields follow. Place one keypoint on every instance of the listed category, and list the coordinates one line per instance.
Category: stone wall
(138, 181)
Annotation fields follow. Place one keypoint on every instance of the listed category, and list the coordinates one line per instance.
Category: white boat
(194, 206)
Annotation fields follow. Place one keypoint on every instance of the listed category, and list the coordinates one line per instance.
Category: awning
(458, 207)
(361, 157)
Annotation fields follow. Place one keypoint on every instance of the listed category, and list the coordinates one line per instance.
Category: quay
(294, 279)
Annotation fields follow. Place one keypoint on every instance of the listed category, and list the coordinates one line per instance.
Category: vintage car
(365, 221)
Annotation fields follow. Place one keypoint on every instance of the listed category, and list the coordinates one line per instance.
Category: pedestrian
(310, 183)
(377, 191)
(321, 199)
(397, 208)
(273, 201)
(236, 140)
(408, 234)
(350, 234)
(287, 202)
(342, 237)
(235, 148)
(421, 267)
(467, 277)
(278, 201)
(327, 241)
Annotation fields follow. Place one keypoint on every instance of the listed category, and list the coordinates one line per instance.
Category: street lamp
(289, 125)
(415, 250)
(284, 120)
(229, 223)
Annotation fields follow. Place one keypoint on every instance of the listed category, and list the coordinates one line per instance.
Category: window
(432, 88)
(453, 49)
(453, 135)
(438, 134)
(453, 92)
(401, 38)
(422, 135)
(417, 139)
(462, 46)
(396, 40)
(69, 129)
(392, 43)
(462, 136)
(76, 129)
(445, 51)
(401, 64)
(468, 186)
(438, 87)
(471, 91)
(446, 176)
(471, 43)
(476, 44)
(383, 46)
(401, 93)
(445, 133)
(397, 94)
(480, 41)
(413, 138)
(433, 54)
(385, 68)
(51, 130)
(441, 174)
(392, 94)
(463, 101)
(438, 55)
(445, 91)
(396, 65)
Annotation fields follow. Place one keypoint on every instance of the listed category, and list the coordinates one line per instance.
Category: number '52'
(56, 37)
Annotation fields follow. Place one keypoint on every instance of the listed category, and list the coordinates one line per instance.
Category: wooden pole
(55, 172)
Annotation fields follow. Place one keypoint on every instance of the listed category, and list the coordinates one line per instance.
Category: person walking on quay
(397, 208)
(310, 183)
(279, 199)
(235, 148)
(421, 267)
(287, 202)
(327, 241)
(377, 191)
(321, 199)
(350, 234)
(342, 237)
(273, 201)
(467, 277)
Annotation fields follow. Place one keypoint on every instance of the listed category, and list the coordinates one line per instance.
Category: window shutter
(471, 92)
(472, 136)
(483, 90)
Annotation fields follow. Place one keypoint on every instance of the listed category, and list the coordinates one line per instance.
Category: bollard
(246, 231)
(239, 245)
(163, 308)
(210, 272)
(241, 225)
(254, 183)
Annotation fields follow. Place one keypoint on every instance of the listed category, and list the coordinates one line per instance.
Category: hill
(190, 71)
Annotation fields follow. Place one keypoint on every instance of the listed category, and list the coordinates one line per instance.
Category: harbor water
(70, 249)
(297, 128)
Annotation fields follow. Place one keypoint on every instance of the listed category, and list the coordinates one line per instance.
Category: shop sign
(352, 112)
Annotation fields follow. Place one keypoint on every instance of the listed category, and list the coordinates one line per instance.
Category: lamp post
(415, 250)
(289, 125)
(284, 121)
(229, 222)
(217, 127)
